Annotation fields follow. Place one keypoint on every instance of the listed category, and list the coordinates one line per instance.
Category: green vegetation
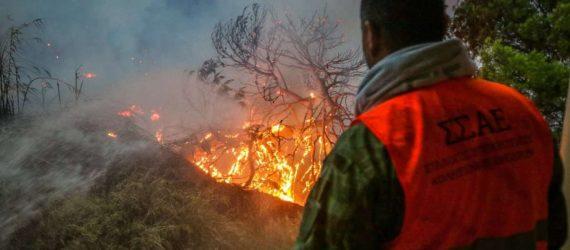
(545, 81)
(525, 44)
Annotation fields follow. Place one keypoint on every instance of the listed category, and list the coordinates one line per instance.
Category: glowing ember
(277, 128)
(246, 125)
(159, 136)
(89, 75)
(312, 95)
(126, 113)
(112, 134)
(207, 137)
(155, 117)
(132, 111)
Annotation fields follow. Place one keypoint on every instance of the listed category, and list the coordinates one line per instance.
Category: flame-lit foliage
(288, 63)
(279, 161)
(291, 75)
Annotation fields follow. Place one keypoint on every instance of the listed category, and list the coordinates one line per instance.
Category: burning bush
(72, 183)
(294, 80)
(291, 81)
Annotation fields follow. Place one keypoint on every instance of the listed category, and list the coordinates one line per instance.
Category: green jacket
(358, 202)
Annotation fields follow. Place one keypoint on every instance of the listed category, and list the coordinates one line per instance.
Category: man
(436, 159)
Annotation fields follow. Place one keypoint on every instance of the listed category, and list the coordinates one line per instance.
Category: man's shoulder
(357, 149)
(498, 89)
(355, 138)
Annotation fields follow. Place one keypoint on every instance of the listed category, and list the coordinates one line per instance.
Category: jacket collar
(413, 67)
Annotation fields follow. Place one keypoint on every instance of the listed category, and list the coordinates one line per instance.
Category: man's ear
(370, 43)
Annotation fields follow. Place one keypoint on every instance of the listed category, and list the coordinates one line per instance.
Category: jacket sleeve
(357, 203)
(557, 217)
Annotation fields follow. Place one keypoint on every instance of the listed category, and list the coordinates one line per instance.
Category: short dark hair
(406, 22)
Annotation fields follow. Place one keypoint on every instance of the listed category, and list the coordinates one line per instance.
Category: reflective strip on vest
(475, 161)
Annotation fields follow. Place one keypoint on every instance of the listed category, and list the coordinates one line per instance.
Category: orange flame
(131, 111)
(266, 163)
(159, 136)
(89, 75)
(126, 113)
(155, 117)
(280, 160)
(112, 134)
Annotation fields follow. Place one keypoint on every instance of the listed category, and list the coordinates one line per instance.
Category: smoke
(49, 157)
(44, 160)
(115, 39)
(185, 105)
(119, 39)
(138, 50)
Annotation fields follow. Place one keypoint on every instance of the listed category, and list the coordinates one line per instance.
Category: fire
(207, 137)
(89, 75)
(112, 134)
(126, 113)
(267, 161)
(246, 125)
(281, 130)
(280, 160)
(159, 136)
(277, 128)
(131, 111)
(136, 111)
(155, 117)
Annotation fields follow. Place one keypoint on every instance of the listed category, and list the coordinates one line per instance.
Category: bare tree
(272, 50)
(286, 70)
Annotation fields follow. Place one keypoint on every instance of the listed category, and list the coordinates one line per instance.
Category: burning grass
(280, 160)
(214, 187)
(294, 76)
(142, 196)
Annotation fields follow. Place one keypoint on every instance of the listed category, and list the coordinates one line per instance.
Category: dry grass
(153, 215)
(166, 206)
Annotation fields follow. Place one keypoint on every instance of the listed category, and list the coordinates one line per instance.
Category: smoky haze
(119, 39)
(138, 50)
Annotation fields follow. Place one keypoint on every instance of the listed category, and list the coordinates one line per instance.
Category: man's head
(390, 25)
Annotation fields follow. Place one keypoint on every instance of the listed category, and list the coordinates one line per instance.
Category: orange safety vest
(475, 160)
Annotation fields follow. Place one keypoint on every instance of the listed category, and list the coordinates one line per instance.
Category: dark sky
(117, 39)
